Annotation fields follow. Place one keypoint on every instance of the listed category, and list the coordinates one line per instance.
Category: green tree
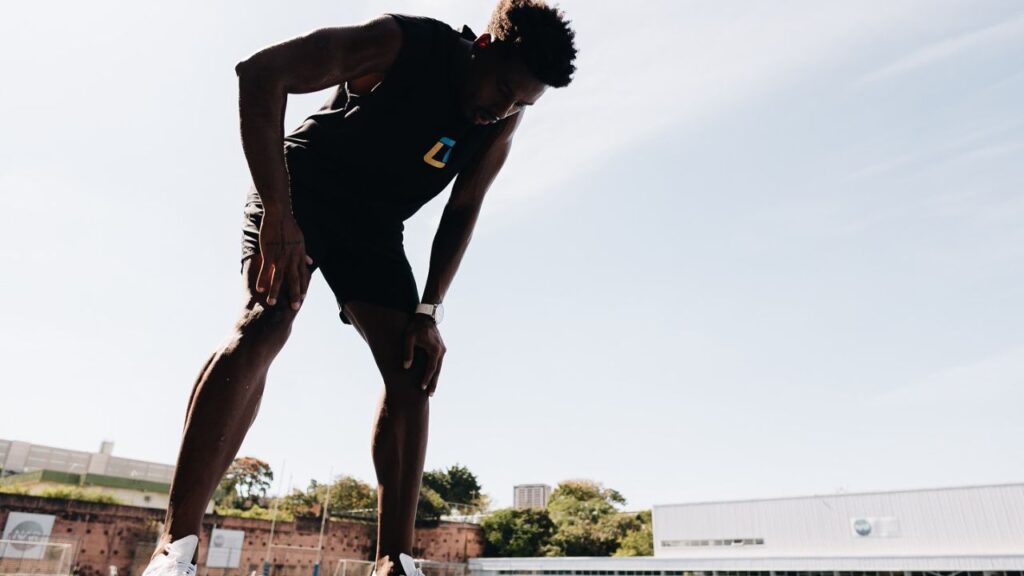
(349, 497)
(258, 512)
(463, 487)
(639, 538)
(483, 503)
(514, 532)
(586, 519)
(456, 485)
(244, 484)
(302, 503)
(436, 480)
(431, 505)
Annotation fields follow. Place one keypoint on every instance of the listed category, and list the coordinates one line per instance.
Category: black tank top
(388, 152)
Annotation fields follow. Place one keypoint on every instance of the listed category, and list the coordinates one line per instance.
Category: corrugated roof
(843, 494)
(650, 564)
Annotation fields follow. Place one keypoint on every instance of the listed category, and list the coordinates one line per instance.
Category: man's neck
(460, 73)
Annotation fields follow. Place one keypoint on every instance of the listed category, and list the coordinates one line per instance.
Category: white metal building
(977, 531)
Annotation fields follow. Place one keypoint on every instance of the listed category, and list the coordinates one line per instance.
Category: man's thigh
(251, 258)
(255, 303)
(374, 271)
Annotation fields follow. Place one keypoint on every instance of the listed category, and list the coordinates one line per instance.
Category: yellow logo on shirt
(430, 157)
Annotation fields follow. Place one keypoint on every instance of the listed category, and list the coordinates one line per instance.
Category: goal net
(18, 557)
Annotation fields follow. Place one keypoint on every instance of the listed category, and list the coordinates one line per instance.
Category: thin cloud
(672, 66)
(1001, 135)
(944, 49)
(996, 380)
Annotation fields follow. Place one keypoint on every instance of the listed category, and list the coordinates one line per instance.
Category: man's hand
(285, 261)
(422, 332)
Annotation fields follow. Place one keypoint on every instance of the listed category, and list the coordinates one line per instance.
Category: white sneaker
(177, 561)
(409, 565)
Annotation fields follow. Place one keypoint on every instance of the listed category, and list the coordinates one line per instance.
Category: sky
(753, 250)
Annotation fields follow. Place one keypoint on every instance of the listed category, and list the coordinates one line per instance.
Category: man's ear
(482, 41)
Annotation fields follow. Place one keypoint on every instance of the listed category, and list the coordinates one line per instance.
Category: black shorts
(359, 260)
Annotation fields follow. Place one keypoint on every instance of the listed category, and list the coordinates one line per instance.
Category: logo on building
(445, 145)
(862, 527)
(27, 531)
(27, 535)
(225, 548)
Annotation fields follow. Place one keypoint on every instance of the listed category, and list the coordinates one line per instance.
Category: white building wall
(985, 520)
(16, 453)
(97, 463)
(139, 470)
(21, 457)
(5, 449)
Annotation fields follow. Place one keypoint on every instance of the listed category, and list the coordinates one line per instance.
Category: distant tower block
(531, 495)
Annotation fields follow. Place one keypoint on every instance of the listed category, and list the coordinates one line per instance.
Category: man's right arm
(320, 59)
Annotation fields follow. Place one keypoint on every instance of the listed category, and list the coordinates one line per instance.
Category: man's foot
(383, 567)
(409, 565)
(406, 566)
(177, 560)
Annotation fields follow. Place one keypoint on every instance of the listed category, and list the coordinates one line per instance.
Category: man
(417, 104)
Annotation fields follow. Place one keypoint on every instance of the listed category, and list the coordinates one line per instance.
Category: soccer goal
(438, 568)
(288, 560)
(26, 557)
(345, 567)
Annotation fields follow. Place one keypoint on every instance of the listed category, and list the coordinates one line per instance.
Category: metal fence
(429, 567)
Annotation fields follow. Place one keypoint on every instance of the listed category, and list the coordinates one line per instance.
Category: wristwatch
(435, 311)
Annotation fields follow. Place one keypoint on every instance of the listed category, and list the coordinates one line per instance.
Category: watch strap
(428, 309)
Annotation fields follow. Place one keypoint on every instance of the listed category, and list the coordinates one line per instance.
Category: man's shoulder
(426, 49)
(412, 24)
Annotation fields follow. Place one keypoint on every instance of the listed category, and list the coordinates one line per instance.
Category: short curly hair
(540, 35)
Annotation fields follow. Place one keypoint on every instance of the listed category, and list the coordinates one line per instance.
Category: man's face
(498, 84)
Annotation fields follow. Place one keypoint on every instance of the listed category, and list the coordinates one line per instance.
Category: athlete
(417, 105)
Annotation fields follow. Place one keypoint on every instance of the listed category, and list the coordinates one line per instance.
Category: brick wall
(106, 535)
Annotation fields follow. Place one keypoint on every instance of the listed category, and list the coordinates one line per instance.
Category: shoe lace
(185, 568)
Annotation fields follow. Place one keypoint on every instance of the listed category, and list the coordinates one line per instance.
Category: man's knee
(259, 319)
(406, 396)
(405, 386)
(261, 331)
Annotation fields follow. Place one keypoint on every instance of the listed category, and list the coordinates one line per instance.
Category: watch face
(438, 313)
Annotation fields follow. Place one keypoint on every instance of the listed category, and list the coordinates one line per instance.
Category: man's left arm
(461, 212)
(452, 239)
